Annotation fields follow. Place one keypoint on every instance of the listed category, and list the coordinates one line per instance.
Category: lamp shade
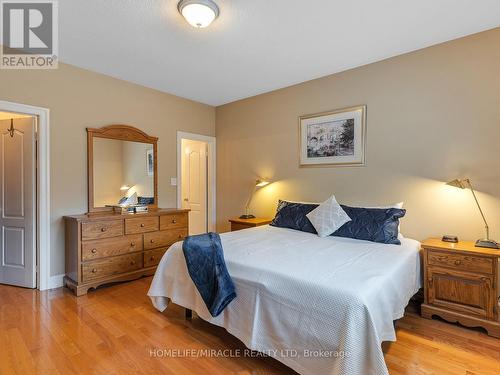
(459, 183)
(261, 183)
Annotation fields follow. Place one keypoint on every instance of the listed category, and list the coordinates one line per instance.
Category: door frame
(43, 187)
(211, 172)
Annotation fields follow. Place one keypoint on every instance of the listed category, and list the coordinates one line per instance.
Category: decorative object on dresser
(449, 238)
(461, 284)
(333, 138)
(103, 245)
(485, 242)
(258, 184)
(238, 223)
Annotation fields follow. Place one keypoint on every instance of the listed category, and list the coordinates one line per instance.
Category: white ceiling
(255, 46)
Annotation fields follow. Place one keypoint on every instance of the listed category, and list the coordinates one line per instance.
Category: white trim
(211, 204)
(43, 201)
(56, 282)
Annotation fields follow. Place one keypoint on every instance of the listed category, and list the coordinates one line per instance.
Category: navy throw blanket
(206, 266)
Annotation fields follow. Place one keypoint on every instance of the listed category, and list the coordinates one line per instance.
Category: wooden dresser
(461, 284)
(107, 247)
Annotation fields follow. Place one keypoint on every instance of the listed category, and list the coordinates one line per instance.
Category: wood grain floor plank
(115, 330)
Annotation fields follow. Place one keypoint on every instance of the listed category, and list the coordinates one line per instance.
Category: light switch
(173, 181)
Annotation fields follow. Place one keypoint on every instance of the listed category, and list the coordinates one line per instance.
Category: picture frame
(334, 138)
(150, 162)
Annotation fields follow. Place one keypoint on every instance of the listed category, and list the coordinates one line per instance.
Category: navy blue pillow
(372, 224)
(369, 224)
(293, 215)
(145, 200)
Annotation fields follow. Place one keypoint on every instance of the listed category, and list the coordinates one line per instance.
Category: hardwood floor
(114, 329)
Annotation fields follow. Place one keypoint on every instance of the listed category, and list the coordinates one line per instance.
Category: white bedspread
(319, 305)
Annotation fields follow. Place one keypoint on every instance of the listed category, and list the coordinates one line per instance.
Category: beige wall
(433, 115)
(78, 99)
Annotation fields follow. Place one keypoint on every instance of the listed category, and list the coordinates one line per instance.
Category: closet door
(17, 203)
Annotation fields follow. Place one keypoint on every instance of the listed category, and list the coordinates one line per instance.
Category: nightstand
(238, 224)
(461, 284)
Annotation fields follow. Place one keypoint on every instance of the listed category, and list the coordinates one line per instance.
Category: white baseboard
(56, 281)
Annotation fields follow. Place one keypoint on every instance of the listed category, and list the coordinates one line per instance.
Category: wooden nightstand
(238, 224)
(461, 284)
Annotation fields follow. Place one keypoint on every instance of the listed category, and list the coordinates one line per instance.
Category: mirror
(122, 167)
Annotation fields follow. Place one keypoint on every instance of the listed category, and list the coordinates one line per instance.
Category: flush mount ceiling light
(198, 13)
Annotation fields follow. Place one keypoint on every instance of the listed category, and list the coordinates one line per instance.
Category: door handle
(186, 200)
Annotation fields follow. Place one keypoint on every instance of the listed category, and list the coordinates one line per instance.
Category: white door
(17, 203)
(194, 184)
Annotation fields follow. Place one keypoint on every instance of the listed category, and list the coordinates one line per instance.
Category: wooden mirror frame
(122, 133)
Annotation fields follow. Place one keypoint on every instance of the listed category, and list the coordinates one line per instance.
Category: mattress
(318, 305)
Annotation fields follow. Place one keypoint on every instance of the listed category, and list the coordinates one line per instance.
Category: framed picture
(333, 138)
(150, 162)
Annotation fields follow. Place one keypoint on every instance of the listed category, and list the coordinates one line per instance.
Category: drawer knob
(458, 262)
(180, 235)
(174, 221)
(142, 225)
(103, 229)
(132, 244)
(132, 262)
(94, 270)
(152, 241)
(152, 258)
(94, 251)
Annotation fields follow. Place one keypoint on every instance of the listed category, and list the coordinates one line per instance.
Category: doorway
(196, 180)
(41, 264)
(18, 199)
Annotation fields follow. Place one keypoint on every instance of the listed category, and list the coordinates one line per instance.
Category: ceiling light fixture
(198, 13)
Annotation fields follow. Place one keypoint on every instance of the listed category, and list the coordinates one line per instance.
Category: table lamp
(486, 242)
(258, 184)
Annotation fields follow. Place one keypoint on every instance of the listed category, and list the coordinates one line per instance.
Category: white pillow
(328, 217)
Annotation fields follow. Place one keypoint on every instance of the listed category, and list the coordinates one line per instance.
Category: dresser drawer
(111, 246)
(141, 224)
(163, 238)
(173, 221)
(111, 266)
(102, 229)
(460, 261)
(153, 257)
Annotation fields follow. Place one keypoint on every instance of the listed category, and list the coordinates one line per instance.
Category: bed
(318, 305)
